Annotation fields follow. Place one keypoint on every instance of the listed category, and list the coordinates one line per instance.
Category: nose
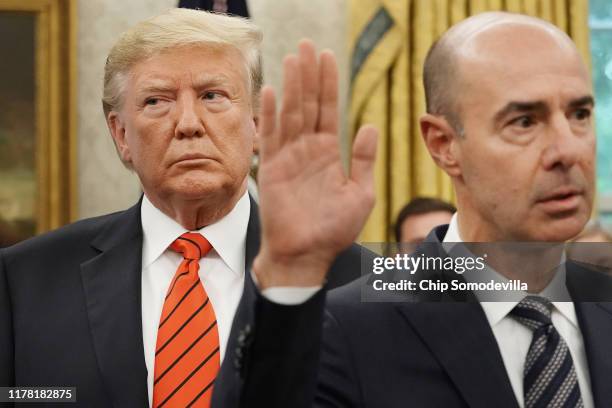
(189, 122)
(564, 146)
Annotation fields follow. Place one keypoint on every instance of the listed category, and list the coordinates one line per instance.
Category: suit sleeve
(284, 356)
(273, 354)
(7, 375)
(337, 384)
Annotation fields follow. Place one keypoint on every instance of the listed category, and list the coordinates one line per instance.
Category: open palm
(310, 209)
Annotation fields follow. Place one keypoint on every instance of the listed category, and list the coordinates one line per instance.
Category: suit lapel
(245, 314)
(229, 379)
(253, 237)
(595, 320)
(112, 285)
(460, 337)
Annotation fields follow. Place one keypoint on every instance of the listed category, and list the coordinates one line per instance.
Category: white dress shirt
(514, 338)
(221, 270)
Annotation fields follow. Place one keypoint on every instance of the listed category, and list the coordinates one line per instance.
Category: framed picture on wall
(37, 119)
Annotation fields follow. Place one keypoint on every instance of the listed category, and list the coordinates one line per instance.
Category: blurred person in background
(417, 218)
(594, 232)
(593, 246)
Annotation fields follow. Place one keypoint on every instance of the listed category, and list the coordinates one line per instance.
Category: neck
(472, 228)
(194, 214)
(534, 263)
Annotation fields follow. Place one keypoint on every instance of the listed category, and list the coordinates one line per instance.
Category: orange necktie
(187, 350)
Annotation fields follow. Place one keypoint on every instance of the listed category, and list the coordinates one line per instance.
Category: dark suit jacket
(429, 354)
(70, 311)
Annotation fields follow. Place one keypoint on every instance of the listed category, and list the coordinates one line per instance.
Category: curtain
(388, 42)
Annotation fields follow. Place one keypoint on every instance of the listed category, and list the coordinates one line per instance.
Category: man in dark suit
(509, 106)
(135, 309)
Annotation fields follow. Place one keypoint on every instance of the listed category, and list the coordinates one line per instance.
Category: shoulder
(352, 303)
(350, 265)
(61, 241)
(588, 282)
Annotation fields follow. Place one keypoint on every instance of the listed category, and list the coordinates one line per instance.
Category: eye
(209, 96)
(523, 122)
(582, 114)
(151, 101)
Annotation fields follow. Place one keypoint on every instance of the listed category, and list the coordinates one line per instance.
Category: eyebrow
(157, 87)
(583, 101)
(540, 106)
(163, 86)
(536, 106)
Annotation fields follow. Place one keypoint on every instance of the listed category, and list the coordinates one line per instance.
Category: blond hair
(175, 28)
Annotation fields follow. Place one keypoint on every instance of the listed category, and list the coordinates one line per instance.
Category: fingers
(310, 95)
(291, 115)
(301, 92)
(269, 143)
(309, 71)
(363, 158)
(328, 94)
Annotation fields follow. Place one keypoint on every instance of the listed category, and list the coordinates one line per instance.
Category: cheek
(238, 137)
(588, 158)
(147, 144)
(498, 176)
(477, 164)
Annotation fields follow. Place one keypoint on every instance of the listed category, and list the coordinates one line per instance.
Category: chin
(199, 191)
(206, 186)
(561, 230)
(194, 194)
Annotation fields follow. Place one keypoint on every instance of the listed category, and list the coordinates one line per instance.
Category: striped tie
(187, 349)
(549, 376)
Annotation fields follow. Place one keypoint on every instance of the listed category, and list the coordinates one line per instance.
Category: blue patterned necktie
(549, 377)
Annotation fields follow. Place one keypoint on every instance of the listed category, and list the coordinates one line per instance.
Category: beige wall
(286, 22)
(104, 184)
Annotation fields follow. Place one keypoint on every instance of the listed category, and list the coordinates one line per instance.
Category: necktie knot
(191, 245)
(533, 311)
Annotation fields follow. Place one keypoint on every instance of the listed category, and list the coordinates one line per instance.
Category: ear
(256, 137)
(441, 140)
(117, 130)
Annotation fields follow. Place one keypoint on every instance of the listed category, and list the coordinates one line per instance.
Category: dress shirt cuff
(287, 295)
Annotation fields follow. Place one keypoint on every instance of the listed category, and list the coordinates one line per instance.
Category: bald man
(509, 119)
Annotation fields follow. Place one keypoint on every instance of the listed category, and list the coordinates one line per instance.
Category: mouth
(191, 159)
(562, 200)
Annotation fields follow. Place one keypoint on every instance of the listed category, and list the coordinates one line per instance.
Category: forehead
(522, 63)
(190, 66)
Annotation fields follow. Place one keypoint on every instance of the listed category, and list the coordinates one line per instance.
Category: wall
(104, 184)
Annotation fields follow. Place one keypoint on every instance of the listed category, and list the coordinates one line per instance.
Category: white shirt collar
(496, 311)
(452, 234)
(227, 236)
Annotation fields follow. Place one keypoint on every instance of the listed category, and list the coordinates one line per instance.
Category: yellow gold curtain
(388, 41)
